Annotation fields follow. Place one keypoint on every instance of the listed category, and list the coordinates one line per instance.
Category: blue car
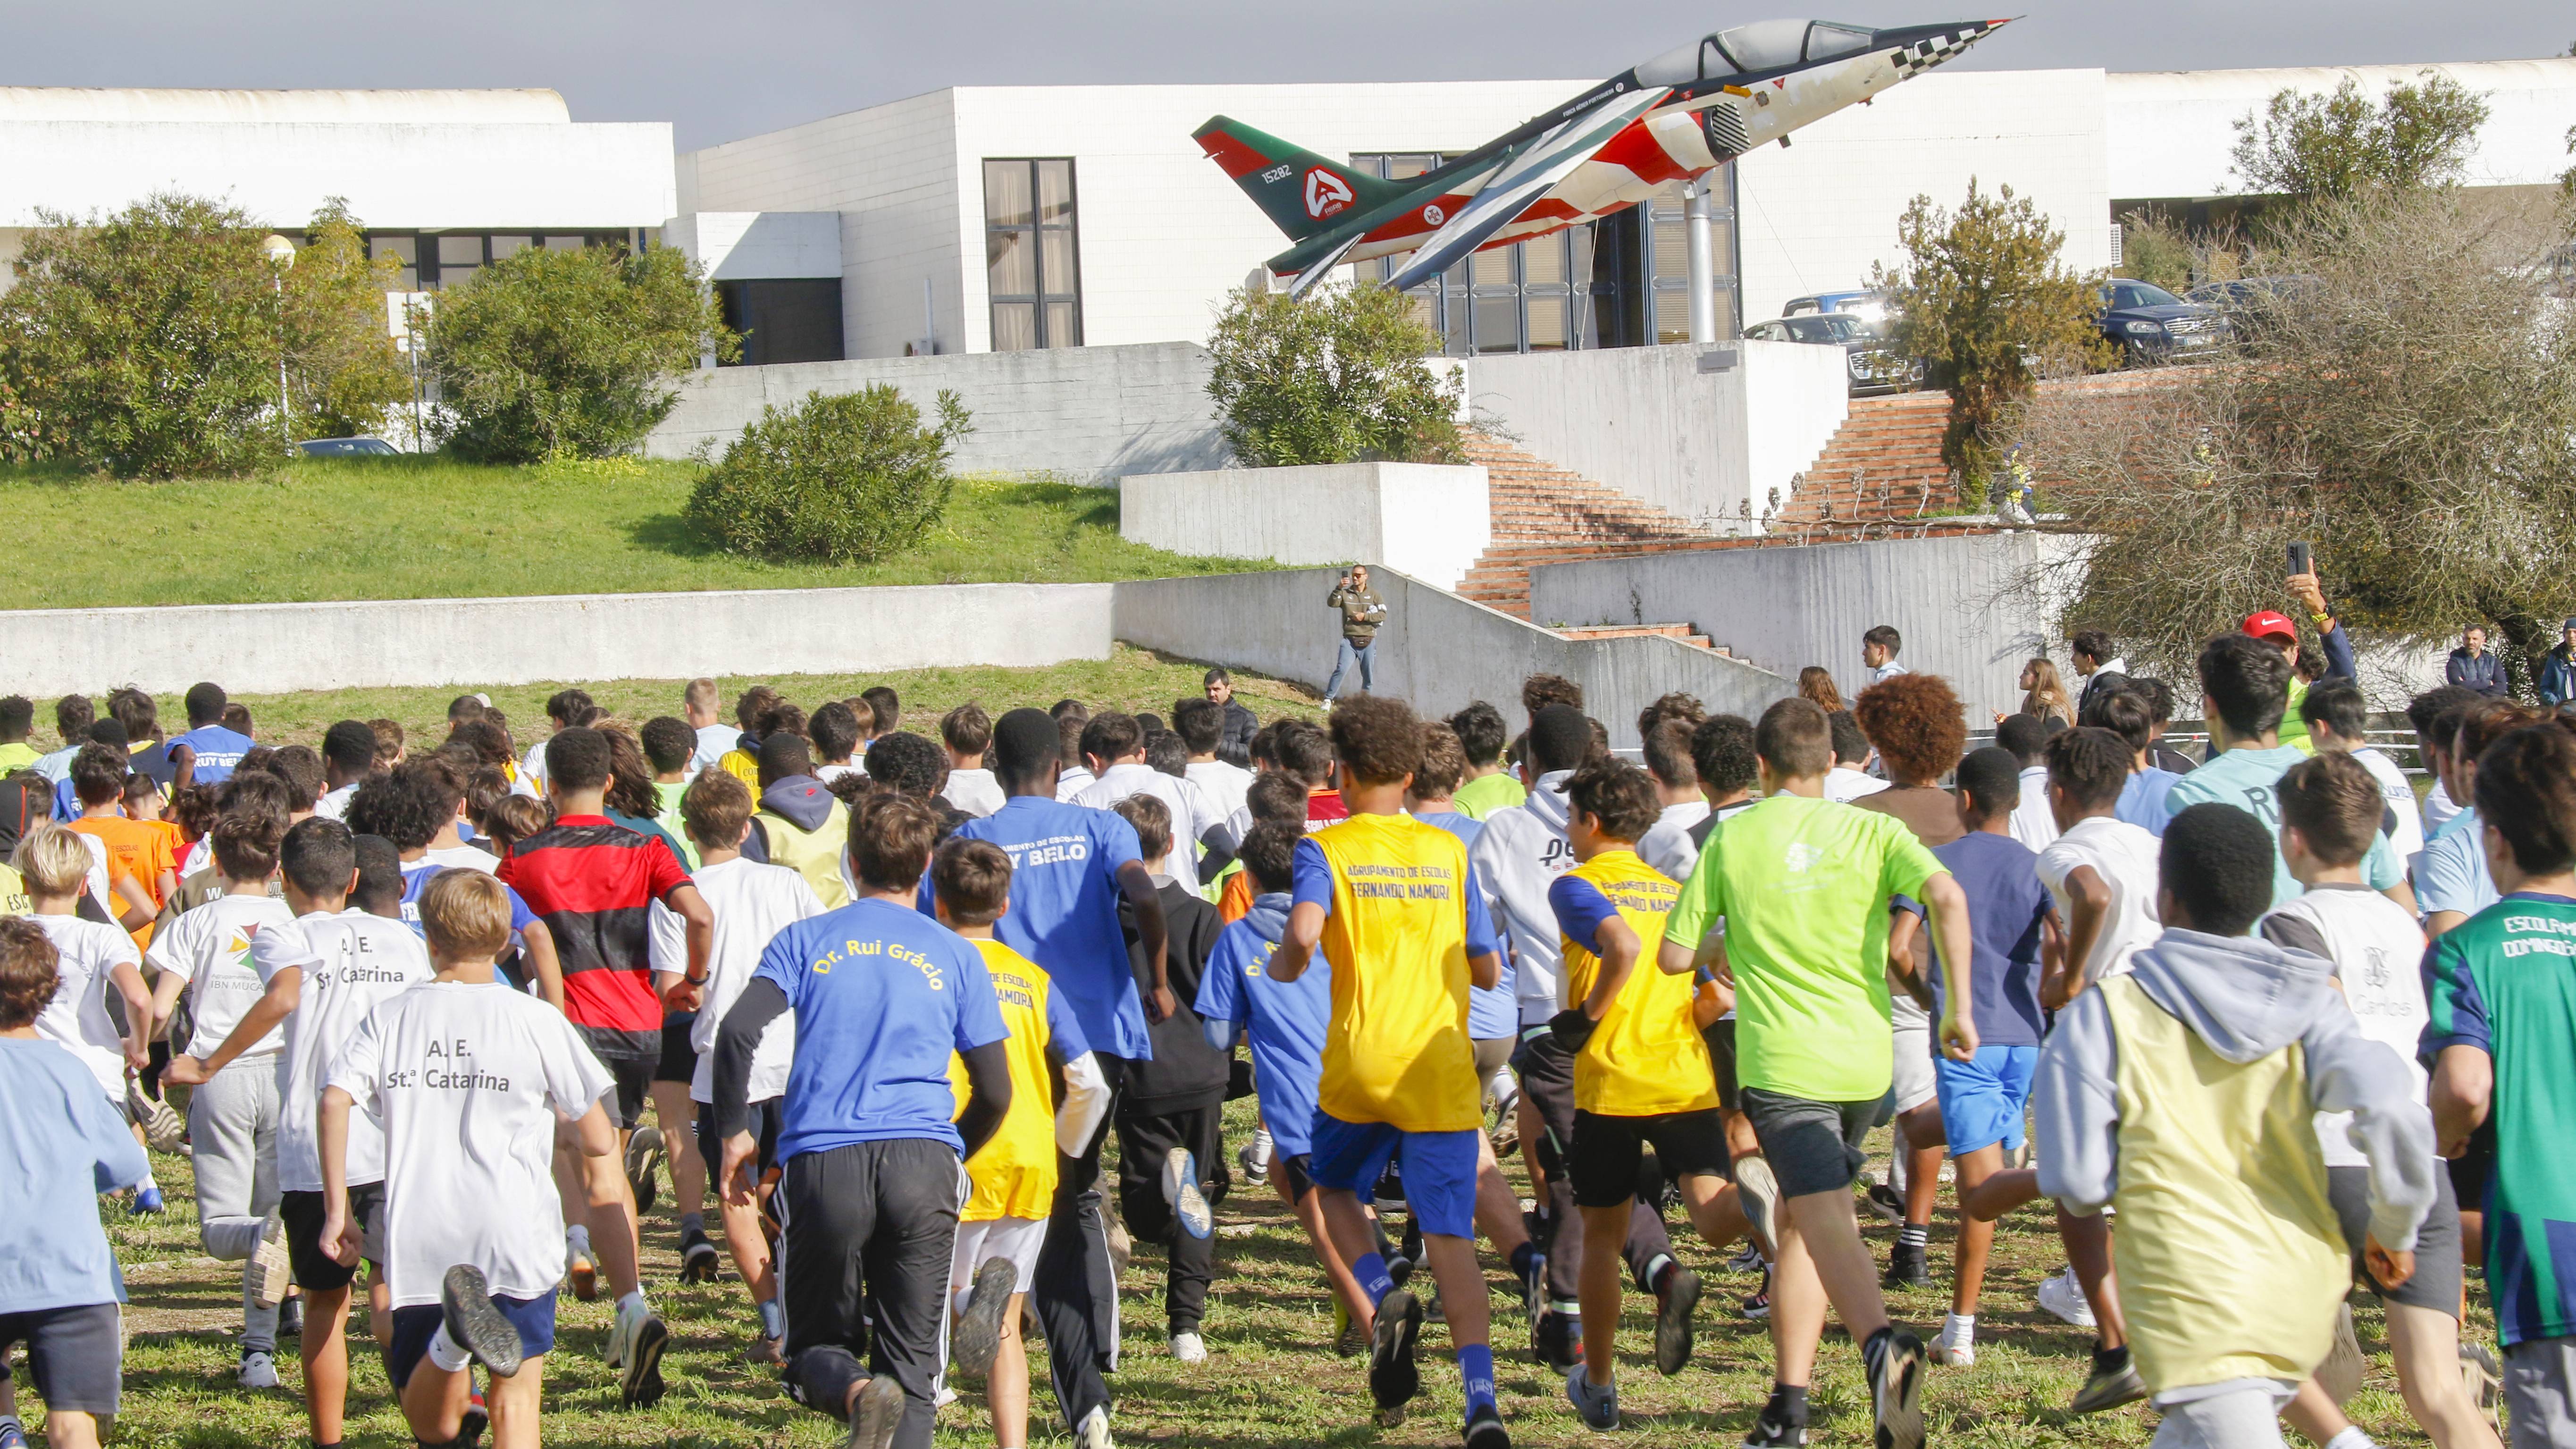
(346, 448)
(2149, 324)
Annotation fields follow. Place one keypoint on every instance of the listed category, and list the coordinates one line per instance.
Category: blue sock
(1522, 1256)
(1371, 1271)
(1476, 1368)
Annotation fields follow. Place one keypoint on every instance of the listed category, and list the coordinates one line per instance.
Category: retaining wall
(1426, 520)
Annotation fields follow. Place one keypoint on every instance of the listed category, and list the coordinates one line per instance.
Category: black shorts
(1720, 1036)
(2469, 1171)
(766, 1119)
(415, 1326)
(302, 1213)
(1300, 1182)
(629, 1068)
(2438, 1271)
(679, 1059)
(1546, 1071)
(1811, 1146)
(77, 1355)
(1603, 1167)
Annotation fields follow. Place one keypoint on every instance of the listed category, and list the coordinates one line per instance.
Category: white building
(927, 201)
(448, 180)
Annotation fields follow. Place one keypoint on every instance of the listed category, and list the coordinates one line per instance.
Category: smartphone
(2300, 563)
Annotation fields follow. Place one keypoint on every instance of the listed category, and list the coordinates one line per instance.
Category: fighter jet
(1677, 116)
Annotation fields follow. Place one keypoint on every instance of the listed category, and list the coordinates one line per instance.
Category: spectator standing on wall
(2558, 668)
(2471, 666)
(1234, 747)
(1362, 611)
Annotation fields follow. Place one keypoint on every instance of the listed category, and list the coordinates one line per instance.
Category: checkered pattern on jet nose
(1922, 55)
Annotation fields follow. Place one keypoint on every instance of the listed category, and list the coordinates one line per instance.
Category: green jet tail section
(1302, 193)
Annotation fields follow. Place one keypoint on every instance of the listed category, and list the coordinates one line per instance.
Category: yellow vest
(1397, 1050)
(1646, 1058)
(813, 854)
(2231, 1260)
(1015, 1172)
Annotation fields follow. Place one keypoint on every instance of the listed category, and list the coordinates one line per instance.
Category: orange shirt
(139, 848)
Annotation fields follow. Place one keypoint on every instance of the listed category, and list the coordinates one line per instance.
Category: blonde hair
(466, 915)
(2047, 695)
(54, 860)
(701, 694)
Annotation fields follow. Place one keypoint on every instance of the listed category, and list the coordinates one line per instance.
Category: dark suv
(2149, 324)
(1870, 363)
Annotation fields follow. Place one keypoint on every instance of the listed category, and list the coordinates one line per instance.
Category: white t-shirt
(462, 857)
(200, 855)
(2439, 807)
(1843, 784)
(1230, 786)
(975, 791)
(1072, 782)
(751, 903)
(2406, 837)
(2377, 949)
(77, 1018)
(334, 804)
(96, 883)
(532, 773)
(1667, 845)
(828, 773)
(1193, 813)
(352, 963)
(2125, 857)
(211, 948)
(713, 742)
(467, 1083)
(2031, 822)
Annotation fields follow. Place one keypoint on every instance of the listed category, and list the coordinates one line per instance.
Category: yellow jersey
(1646, 1057)
(1014, 1172)
(13, 894)
(1402, 917)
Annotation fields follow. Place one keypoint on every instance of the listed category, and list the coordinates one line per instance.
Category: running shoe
(1674, 1303)
(1758, 1193)
(877, 1414)
(1347, 1338)
(1485, 1428)
(1597, 1407)
(1181, 1190)
(1957, 1345)
(1189, 1347)
(642, 1337)
(2113, 1382)
(1770, 1433)
(164, 1130)
(978, 1336)
(1393, 1377)
(2485, 1380)
(476, 1419)
(1908, 1266)
(643, 1155)
(1895, 1360)
(1557, 1339)
(1091, 1433)
(148, 1202)
(2063, 1297)
(258, 1369)
(475, 1323)
(1254, 1156)
(699, 1261)
(583, 1272)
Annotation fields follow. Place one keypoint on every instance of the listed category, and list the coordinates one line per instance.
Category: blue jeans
(1366, 654)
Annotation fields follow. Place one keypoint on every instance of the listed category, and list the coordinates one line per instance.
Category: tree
(548, 354)
(2411, 414)
(2308, 146)
(1335, 377)
(849, 478)
(1982, 298)
(339, 338)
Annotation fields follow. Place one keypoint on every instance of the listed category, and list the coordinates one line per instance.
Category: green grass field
(421, 528)
(1271, 1378)
(1130, 679)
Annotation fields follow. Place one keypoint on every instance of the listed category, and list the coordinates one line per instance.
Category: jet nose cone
(1921, 47)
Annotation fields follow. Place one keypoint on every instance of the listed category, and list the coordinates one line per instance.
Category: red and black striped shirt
(593, 882)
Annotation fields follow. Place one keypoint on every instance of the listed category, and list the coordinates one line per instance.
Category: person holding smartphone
(2275, 628)
(1362, 611)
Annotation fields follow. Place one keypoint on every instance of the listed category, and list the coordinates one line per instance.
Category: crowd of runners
(434, 1019)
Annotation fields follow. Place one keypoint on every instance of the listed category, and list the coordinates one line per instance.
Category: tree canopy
(1335, 377)
(2305, 145)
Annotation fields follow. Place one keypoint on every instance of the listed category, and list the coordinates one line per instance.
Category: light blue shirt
(2145, 799)
(62, 1143)
(2453, 875)
(2250, 780)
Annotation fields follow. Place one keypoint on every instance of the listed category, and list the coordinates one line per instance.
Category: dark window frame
(1042, 301)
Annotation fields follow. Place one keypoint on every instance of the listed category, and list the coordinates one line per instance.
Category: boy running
(208, 753)
(323, 972)
(469, 1084)
(1392, 905)
(1804, 886)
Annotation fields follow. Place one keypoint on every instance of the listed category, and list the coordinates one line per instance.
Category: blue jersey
(1064, 911)
(219, 750)
(882, 995)
(1284, 1020)
(1494, 1010)
(417, 875)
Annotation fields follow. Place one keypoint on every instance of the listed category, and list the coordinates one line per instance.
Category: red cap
(2270, 622)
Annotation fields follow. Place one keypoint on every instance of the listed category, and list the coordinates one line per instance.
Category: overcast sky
(718, 72)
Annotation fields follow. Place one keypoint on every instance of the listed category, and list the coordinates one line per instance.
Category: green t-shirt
(1486, 794)
(2504, 981)
(670, 820)
(17, 755)
(2250, 780)
(1803, 886)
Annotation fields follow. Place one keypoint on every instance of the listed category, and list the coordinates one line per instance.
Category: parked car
(346, 448)
(2149, 324)
(1871, 307)
(1871, 365)
(2253, 303)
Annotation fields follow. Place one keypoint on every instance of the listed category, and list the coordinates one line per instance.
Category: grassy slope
(404, 528)
(1130, 679)
(1270, 1380)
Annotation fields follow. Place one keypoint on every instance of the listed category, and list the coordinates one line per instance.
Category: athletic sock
(1370, 1270)
(577, 1240)
(1656, 1267)
(444, 1352)
(148, 1184)
(2352, 1437)
(1522, 1257)
(1788, 1405)
(1914, 1235)
(773, 1319)
(1476, 1370)
(693, 1223)
(636, 1298)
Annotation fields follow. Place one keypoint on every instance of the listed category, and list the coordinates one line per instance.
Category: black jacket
(1186, 1072)
(1235, 747)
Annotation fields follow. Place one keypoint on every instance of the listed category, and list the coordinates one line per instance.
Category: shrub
(1336, 377)
(549, 354)
(847, 478)
(147, 342)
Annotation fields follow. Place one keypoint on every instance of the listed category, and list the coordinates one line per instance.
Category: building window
(785, 320)
(1667, 261)
(434, 260)
(1031, 254)
(1549, 294)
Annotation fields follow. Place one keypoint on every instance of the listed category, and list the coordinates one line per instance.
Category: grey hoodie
(2246, 999)
(1516, 857)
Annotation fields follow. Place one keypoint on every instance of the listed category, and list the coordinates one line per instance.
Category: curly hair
(1377, 739)
(1617, 795)
(1914, 721)
(29, 972)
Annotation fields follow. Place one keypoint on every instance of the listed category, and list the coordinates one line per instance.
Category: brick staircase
(1687, 633)
(1883, 463)
(1546, 514)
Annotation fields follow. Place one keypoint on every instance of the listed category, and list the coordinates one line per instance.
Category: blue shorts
(1982, 1101)
(1439, 1168)
(415, 1326)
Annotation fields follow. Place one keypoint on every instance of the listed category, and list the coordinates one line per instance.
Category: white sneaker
(1181, 1190)
(268, 1271)
(1188, 1347)
(1093, 1431)
(1957, 1345)
(621, 1332)
(2064, 1297)
(1254, 1156)
(258, 1370)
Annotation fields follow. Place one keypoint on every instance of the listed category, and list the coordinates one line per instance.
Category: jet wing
(1523, 181)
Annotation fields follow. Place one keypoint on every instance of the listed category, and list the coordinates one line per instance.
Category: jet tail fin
(1301, 192)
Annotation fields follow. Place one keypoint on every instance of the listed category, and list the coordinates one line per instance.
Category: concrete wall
(1425, 520)
(1676, 426)
(1437, 651)
(268, 648)
(1088, 414)
(1970, 609)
